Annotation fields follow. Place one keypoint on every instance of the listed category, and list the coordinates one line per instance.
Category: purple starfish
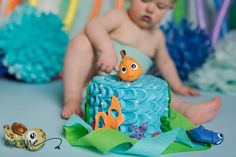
(139, 131)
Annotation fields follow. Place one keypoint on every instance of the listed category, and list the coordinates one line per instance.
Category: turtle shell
(18, 128)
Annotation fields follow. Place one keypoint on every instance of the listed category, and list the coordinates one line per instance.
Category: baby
(135, 27)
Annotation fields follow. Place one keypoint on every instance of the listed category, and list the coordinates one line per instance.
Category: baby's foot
(204, 111)
(71, 106)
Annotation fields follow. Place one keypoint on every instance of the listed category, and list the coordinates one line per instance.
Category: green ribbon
(177, 120)
(180, 11)
(80, 134)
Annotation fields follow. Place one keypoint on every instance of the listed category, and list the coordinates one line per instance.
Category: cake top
(144, 81)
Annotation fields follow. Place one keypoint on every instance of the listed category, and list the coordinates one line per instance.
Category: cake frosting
(143, 101)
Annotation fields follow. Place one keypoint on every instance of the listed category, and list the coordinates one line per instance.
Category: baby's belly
(139, 44)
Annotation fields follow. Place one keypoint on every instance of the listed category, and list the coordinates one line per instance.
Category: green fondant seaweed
(87, 106)
(165, 124)
(169, 96)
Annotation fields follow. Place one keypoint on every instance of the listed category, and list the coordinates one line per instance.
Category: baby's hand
(107, 61)
(186, 91)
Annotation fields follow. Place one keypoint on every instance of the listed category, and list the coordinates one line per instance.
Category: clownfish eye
(134, 66)
(123, 69)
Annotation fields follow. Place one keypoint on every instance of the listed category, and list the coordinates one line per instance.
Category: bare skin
(136, 28)
(198, 113)
(74, 78)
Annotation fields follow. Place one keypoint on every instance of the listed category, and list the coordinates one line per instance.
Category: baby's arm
(168, 70)
(98, 33)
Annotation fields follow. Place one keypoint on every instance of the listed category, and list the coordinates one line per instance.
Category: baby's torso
(129, 34)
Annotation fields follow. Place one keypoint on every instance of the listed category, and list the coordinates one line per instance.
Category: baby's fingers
(109, 69)
(99, 63)
(103, 67)
(193, 92)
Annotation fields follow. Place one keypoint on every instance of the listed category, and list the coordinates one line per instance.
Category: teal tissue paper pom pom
(33, 45)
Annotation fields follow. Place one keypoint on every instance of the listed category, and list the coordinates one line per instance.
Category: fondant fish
(129, 69)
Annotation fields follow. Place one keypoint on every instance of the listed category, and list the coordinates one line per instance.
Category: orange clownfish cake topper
(129, 69)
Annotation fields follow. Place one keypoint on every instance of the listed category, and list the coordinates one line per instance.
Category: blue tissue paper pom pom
(188, 47)
(3, 69)
(33, 45)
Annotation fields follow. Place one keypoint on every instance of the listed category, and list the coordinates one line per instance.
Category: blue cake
(144, 101)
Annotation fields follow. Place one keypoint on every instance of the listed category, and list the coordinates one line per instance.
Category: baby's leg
(78, 64)
(198, 113)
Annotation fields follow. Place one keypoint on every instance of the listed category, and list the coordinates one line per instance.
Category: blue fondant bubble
(123, 128)
(104, 105)
(103, 92)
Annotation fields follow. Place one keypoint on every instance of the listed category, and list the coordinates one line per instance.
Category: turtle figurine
(17, 135)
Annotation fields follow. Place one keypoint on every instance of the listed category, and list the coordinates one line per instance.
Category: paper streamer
(70, 14)
(3, 6)
(34, 3)
(11, 6)
(95, 9)
(192, 14)
(201, 14)
(79, 133)
(224, 27)
(220, 19)
(180, 11)
(0, 4)
(63, 8)
(120, 4)
(1, 9)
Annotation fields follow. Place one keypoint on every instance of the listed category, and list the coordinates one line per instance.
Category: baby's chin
(146, 26)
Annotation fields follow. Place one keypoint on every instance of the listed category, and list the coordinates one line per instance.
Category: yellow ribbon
(34, 3)
(70, 14)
